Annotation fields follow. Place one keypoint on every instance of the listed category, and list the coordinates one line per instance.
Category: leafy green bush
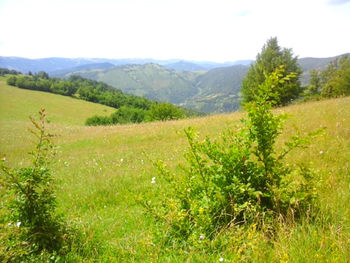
(30, 224)
(239, 179)
(98, 120)
(125, 114)
(165, 111)
(11, 81)
(128, 115)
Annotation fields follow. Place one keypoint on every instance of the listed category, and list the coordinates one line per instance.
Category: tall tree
(272, 56)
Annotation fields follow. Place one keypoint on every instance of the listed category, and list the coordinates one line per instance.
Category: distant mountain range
(50, 65)
(203, 86)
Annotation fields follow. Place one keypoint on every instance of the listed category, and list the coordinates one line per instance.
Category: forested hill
(202, 86)
(130, 108)
(199, 90)
(213, 91)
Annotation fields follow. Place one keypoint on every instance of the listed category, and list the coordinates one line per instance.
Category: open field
(102, 170)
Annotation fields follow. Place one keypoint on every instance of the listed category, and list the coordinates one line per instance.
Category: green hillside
(150, 80)
(100, 171)
(218, 90)
(212, 91)
(17, 104)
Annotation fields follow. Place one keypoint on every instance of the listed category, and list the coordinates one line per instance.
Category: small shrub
(128, 115)
(30, 224)
(98, 120)
(11, 81)
(240, 179)
(164, 112)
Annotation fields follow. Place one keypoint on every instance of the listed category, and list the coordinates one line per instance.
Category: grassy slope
(16, 105)
(101, 171)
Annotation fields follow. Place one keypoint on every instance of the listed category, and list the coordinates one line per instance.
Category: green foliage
(30, 196)
(81, 88)
(128, 115)
(98, 121)
(131, 109)
(212, 91)
(5, 71)
(150, 80)
(11, 81)
(270, 59)
(332, 82)
(239, 179)
(218, 90)
(158, 112)
(315, 83)
(165, 111)
(336, 78)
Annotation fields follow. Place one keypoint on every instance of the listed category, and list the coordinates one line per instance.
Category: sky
(201, 30)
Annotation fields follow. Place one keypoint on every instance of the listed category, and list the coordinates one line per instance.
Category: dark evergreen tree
(272, 56)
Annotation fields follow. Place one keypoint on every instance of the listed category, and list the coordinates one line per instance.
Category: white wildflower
(221, 259)
(153, 180)
(201, 237)
(121, 160)
(18, 224)
(321, 152)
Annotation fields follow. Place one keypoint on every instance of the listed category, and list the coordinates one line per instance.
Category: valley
(202, 86)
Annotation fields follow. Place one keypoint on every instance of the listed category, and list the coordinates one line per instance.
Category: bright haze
(211, 30)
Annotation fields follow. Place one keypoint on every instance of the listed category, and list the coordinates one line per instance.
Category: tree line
(5, 71)
(130, 108)
(332, 82)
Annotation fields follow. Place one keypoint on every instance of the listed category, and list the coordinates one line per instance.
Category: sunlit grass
(102, 170)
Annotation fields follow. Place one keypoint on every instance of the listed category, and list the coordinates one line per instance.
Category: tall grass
(101, 171)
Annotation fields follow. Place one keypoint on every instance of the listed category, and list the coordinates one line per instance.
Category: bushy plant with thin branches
(237, 180)
(29, 193)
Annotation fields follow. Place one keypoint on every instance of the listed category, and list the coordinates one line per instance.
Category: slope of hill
(212, 91)
(218, 90)
(150, 80)
(102, 170)
(178, 82)
(17, 104)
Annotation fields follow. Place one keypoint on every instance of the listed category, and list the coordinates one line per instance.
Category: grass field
(101, 170)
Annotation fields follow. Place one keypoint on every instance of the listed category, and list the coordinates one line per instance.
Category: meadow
(101, 171)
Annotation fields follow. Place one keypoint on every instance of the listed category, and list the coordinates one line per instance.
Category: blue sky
(215, 30)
